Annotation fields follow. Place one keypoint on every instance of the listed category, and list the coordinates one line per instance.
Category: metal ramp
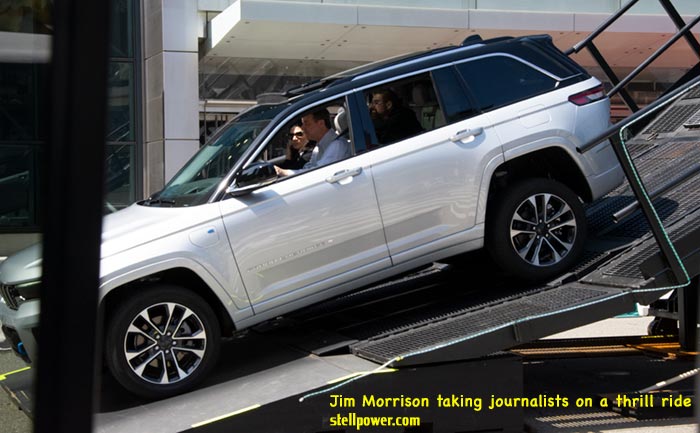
(625, 263)
(497, 326)
(609, 282)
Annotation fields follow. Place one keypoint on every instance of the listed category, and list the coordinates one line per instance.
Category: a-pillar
(171, 112)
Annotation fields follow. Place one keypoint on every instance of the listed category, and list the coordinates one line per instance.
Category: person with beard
(392, 120)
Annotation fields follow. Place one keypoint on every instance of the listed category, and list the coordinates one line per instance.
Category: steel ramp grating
(481, 322)
(672, 119)
(627, 265)
(695, 93)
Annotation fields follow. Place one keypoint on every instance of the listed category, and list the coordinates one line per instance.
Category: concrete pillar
(171, 87)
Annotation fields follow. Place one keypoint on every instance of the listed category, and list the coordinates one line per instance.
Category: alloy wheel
(165, 343)
(543, 229)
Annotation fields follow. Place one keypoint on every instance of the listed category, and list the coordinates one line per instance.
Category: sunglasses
(296, 134)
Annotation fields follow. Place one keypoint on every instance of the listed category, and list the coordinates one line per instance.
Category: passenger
(392, 121)
(329, 147)
(299, 149)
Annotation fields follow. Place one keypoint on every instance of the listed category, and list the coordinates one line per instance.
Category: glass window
(122, 134)
(21, 89)
(119, 174)
(23, 122)
(455, 101)
(120, 117)
(196, 181)
(18, 186)
(121, 29)
(498, 80)
(404, 108)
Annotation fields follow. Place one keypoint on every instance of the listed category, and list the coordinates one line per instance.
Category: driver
(329, 147)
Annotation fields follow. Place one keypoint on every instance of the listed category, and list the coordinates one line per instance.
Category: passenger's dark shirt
(298, 158)
(401, 123)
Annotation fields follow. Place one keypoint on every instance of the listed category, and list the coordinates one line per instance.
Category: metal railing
(684, 31)
(643, 198)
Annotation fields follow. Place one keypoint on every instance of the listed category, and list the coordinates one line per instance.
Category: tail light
(587, 96)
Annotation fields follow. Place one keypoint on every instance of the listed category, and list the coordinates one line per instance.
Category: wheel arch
(181, 277)
(552, 162)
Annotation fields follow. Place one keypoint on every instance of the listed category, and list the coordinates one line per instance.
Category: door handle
(337, 177)
(461, 135)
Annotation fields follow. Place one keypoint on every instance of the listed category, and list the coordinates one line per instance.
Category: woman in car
(299, 149)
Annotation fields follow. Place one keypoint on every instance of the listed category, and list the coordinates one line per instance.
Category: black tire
(171, 354)
(516, 229)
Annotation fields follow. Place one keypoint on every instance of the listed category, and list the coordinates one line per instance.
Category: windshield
(198, 179)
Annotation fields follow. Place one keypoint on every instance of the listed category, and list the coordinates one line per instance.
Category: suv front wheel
(538, 229)
(162, 341)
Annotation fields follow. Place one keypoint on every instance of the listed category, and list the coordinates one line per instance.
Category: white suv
(442, 152)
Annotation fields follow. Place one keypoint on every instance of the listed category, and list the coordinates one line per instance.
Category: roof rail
(471, 40)
(308, 86)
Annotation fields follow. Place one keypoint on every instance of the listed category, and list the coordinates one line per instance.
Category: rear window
(455, 101)
(496, 81)
(546, 56)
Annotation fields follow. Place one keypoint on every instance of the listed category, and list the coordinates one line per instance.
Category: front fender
(213, 264)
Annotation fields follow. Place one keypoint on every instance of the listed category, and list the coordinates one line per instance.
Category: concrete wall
(171, 98)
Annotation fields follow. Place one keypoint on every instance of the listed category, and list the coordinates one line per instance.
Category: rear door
(527, 111)
(428, 183)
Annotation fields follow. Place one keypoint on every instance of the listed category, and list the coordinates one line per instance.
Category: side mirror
(253, 177)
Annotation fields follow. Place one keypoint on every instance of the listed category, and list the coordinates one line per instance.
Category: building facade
(181, 68)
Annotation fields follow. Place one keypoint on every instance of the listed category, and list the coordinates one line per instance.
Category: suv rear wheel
(538, 229)
(162, 341)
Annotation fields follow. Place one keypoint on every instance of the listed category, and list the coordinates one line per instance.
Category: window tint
(455, 101)
(403, 109)
(544, 54)
(497, 81)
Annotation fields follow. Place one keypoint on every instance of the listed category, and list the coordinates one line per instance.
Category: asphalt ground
(596, 376)
(13, 420)
(576, 374)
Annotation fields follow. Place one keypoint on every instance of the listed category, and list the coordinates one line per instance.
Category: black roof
(471, 46)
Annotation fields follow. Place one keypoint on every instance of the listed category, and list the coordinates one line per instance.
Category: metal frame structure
(684, 31)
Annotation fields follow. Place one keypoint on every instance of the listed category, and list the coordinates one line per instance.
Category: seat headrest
(341, 121)
(423, 95)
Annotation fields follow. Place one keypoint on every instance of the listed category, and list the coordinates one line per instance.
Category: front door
(309, 235)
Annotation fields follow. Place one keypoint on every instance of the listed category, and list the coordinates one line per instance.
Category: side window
(317, 137)
(498, 80)
(403, 109)
(455, 101)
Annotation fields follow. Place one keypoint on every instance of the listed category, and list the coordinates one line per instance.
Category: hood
(22, 267)
(121, 231)
(137, 225)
